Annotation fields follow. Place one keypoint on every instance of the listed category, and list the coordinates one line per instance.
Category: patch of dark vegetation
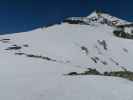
(73, 73)
(122, 74)
(25, 45)
(103, 44)
(19, 53)
(70, 21)
(95, 59)
(89, 71)
(125, 50)
(40, 57)
(123, 34)
(37, 56)
(85, 49)
(5, 40)
(98, 60)
(115, 62)
(14, 47)
(104, 62)
(33, 56)
(47, 58)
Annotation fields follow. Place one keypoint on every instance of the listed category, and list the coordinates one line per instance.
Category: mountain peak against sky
(106, 16)
(95, 13)
(97, 17)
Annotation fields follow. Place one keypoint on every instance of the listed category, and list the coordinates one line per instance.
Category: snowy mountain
(33, 64)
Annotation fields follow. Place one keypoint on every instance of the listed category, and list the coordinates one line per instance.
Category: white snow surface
(27, 78)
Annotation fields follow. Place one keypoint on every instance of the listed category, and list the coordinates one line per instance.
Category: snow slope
(33, 63)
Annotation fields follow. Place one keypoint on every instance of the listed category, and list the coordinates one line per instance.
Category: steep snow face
(77, 45)
(33, 63)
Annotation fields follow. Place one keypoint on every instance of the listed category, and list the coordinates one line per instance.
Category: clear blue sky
(24, 15)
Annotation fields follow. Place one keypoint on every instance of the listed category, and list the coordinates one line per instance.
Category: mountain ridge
(99, 17)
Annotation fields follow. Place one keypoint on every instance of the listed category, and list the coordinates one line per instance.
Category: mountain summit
(99, 17)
